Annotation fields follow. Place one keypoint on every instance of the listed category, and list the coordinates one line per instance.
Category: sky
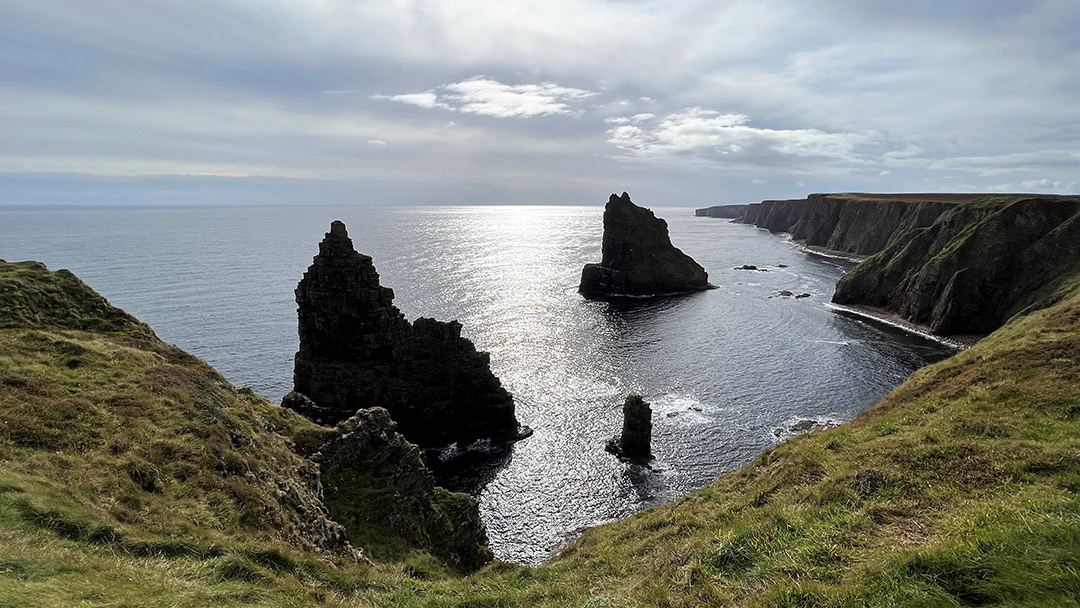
(680, 103)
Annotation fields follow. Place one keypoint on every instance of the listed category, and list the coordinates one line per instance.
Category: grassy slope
(132, 473)
(960, 488)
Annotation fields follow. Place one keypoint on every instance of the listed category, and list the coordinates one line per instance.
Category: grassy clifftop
(959, 489)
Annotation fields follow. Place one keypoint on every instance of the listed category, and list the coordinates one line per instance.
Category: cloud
(899, 96)
(709, 138)
(626, 120)
(376, 142)
(1051, 186)
(427, 99)
(1040, 161)
(487, 97)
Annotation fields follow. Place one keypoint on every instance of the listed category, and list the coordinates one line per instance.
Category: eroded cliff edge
(974, 267)
(854, 223)
(954, 263)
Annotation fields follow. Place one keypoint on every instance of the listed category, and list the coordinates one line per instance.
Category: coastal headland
(134, 474)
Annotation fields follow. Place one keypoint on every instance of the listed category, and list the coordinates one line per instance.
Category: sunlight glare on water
(722, 368)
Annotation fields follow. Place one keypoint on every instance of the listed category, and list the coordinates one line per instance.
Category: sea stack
(638, 257)
(635, 442)
(358, 351)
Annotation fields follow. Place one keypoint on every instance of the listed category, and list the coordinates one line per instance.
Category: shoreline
(885, 317)
(824, 252)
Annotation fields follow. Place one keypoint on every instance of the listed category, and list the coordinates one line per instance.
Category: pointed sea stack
(638, 257)
(635, 442)
(358, 351)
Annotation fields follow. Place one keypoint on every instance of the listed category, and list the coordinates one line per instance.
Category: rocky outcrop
(638, 258)
(975, 267)
(358, 351)
(721, 211)
(855, 223)
(377, 486)
(635, 441)
(164, 430)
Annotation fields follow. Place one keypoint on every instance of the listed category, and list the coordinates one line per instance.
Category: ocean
(723, 369)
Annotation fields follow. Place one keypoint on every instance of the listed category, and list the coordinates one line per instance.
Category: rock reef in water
(638, 257)
(358, 351)
(635, 442)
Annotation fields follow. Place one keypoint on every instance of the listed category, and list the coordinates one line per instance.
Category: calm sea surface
(722, 369)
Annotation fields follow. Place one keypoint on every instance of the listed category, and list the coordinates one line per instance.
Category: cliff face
(358, 351)
(859, 224)
(638, 258)
(976, 266)
(721, 211)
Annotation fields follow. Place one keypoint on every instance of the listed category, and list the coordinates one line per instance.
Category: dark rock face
(975, 267)
(635, 442)
(376, 485)
(855, 223)
(638, 257)
(358, 351)
(721, 211)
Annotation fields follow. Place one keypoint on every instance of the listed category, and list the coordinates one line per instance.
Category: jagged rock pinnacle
(357, 351)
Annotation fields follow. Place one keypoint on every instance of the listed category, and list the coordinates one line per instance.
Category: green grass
(959, 489)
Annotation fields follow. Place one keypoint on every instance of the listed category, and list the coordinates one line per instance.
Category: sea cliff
(958, 264)
(721, 211)
(853, 223)
(975, 266)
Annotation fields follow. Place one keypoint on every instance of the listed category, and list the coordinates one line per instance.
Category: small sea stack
(638, 258)
(358, 351)
(635, 442)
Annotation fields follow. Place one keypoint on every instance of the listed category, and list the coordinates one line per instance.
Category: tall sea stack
(638, 257)
(635, 442)
(358, 351)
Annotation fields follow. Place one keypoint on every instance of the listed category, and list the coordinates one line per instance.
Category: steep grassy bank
(120, 451)
(959, 489)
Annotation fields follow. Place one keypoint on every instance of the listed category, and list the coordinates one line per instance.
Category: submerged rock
(638, 257)
(635, 442)
(358, 351)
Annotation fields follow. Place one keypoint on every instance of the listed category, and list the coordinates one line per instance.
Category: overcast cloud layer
(475, 101)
